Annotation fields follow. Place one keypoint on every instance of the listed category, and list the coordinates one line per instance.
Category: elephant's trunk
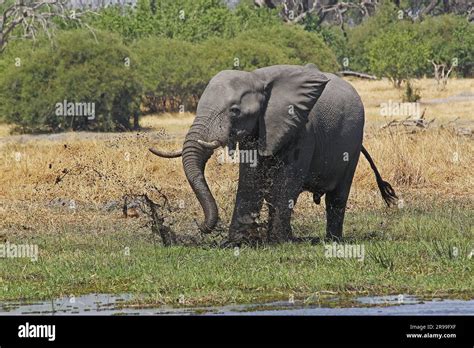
(195, 157)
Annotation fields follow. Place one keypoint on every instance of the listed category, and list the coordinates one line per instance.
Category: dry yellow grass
(433, 165)
(5, 130)
(171, 123)
(374, 93)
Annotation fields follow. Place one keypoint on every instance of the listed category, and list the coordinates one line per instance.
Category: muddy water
(103, 304)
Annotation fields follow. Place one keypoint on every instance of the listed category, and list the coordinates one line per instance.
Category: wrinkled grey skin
(307, 127)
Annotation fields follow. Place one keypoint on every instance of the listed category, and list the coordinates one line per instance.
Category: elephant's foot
(250, 242)
(279, 227)
(247, 232)
(251, 237)
(333, 238)
(279, 233)
(281, 238)
(229, 244)
(311, 240)
(238, 240)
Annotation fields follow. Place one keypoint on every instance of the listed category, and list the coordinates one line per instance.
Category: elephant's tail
(388, 193)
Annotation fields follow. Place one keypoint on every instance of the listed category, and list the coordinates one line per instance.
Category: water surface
(104, 304)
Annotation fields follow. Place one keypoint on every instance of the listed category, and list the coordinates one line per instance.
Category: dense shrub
(171, 71)
(300, 46)
(398, 54)
(332, 36)
(361, 36)
(77, 69)
(190, 20)
(451, 40)
(391, 44)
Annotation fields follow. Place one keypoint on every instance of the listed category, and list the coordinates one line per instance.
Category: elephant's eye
(235, 111)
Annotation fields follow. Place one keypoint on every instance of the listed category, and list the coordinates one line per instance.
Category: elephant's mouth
(235, 137)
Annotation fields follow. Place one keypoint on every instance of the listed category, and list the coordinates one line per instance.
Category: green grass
(406, 252)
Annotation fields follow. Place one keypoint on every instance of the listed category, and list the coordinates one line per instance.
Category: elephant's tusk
(212, 145)
(164, 154)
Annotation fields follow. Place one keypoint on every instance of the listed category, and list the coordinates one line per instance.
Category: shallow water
(103, 304)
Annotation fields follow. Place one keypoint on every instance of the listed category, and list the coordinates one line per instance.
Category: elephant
(306, 128)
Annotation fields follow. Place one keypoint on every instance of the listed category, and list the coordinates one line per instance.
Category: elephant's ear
(291, 93)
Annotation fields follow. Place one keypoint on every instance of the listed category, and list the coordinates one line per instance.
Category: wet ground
(103, 304)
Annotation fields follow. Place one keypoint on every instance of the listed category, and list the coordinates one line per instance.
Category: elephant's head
(270, 104)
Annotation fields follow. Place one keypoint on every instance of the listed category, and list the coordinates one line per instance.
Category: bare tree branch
(336, 11)
(440, 74)
(294, 11)
(33, 16)
(429, 8)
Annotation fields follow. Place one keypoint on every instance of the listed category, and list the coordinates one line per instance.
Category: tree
(399, 54)
(340, 12)
(333, 36)
(26, 18)
(332, 12)
(360, 37)
(451, 42)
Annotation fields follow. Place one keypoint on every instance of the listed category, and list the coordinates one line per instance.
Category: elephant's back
(339, 106)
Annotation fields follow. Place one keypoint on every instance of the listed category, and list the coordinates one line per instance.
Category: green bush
(446, 37)
(242, 53)
(451, 40)
(398, 54)
(171, 71)
(190, 20)
(75, 68)
(411, 94)
(300, 46)
(333, 36)
(361, 36)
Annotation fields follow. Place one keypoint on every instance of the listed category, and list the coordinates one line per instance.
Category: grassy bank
(411, 251)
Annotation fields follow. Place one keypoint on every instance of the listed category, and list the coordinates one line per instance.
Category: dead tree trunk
(441, 75)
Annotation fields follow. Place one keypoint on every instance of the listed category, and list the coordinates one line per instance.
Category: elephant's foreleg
(279, 224)
(248, 202)
(285, 189)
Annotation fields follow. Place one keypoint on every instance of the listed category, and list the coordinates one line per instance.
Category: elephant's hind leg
(335, 210)
(336, 201)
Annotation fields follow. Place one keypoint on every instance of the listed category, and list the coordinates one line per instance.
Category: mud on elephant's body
(307, 128)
